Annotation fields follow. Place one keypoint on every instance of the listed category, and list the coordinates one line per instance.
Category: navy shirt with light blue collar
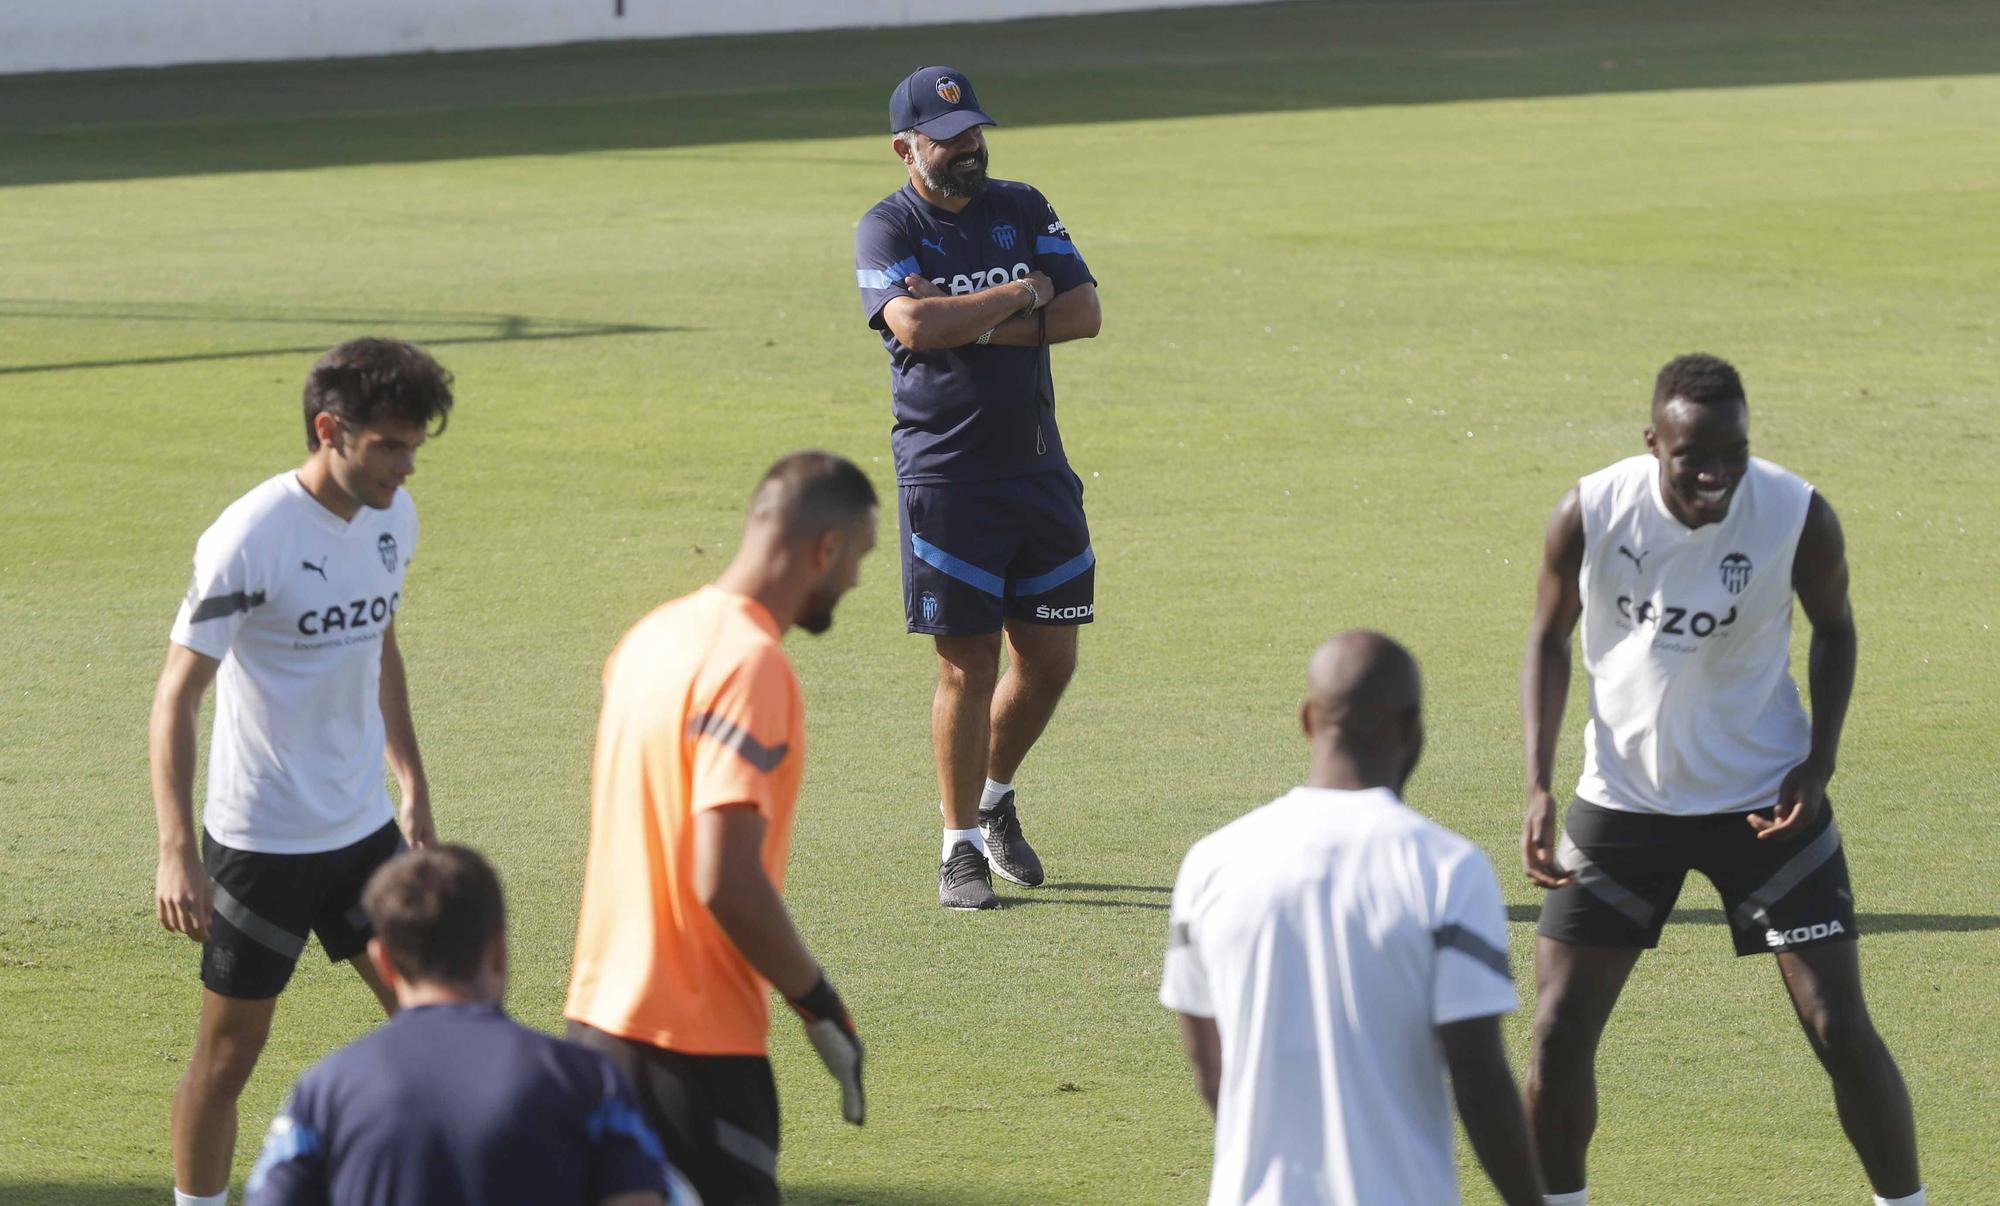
(969, 413)
(457, 1105)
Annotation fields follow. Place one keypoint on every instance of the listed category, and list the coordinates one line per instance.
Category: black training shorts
(1779, 895)
(717, 1115)
(266, 904)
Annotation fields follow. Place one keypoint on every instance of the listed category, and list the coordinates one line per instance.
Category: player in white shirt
(1682, 565)
(292, 611)
(1334, 957)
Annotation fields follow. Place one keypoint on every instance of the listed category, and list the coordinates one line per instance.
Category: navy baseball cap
(937, 102)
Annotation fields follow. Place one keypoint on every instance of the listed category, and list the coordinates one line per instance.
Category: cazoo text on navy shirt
(970, 413)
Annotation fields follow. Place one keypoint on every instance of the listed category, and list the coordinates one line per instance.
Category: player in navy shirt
(969, 280)
(452, 1103)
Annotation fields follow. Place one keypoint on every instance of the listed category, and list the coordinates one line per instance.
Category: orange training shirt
(701, 710)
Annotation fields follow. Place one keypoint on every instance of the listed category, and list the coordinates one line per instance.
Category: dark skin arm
(730, 880)
(1819, 576)
(1490, 1109)
(1545, 671)
(1204, 1047)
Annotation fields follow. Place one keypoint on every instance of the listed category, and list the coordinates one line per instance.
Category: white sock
(953, 837)
(1580, 1197)
(993, 793)
(1915, 1199)
(190, 1199)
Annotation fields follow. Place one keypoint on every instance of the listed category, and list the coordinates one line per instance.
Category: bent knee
(1840, 1032)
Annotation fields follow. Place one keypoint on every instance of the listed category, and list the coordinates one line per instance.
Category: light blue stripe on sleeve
(1051, 245)
(885, 278)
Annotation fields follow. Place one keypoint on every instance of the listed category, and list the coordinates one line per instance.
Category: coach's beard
(964, 176)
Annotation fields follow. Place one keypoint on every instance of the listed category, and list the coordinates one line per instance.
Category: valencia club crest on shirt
(947, 90)
(1735, 572)
(387, 547)
(1005, 236)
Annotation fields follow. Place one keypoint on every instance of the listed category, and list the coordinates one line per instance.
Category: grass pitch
(1379, 281)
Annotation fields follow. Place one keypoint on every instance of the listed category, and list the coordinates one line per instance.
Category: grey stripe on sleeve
(1458, 938)
(728, 733)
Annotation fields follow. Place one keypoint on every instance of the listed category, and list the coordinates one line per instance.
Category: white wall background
(69, 35)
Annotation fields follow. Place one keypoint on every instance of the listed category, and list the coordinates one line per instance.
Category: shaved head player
(1335, 958)
(969, 280)
(1682, 565)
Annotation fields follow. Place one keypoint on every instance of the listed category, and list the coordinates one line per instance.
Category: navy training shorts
(976, 554)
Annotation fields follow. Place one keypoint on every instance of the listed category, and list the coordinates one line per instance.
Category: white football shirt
(1328, 934)
(1687, 634)
(292, 600)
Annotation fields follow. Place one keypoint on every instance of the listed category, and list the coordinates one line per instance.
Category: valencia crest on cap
(947, 90)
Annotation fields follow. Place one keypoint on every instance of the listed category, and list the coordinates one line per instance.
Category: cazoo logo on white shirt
(973, 283)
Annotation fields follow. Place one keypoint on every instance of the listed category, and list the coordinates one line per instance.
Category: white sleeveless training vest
(1687, 638)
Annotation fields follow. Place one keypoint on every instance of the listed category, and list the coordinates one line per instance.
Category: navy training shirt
(969, 413)
(457, 1105)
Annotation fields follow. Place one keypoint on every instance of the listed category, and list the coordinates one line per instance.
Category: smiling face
(954, 168)
(1704, 451)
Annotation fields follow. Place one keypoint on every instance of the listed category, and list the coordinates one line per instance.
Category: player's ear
(1306, 717)
(378, 954)
(327, 428)
(827, 549)
(1652, 440)
(496, 957)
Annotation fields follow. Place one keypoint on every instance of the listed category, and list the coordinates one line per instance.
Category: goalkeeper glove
(832, 1034)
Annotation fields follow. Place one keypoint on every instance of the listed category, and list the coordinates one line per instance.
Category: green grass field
(1379, 282)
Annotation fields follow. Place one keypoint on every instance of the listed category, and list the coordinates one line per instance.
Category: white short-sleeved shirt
(292, 600)
(1328, 934)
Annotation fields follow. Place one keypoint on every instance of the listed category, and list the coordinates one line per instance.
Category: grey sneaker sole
(1003, 873)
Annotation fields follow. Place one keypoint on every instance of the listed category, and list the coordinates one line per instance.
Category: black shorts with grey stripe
(717, 1115)
(1778, 895)
(266, 904)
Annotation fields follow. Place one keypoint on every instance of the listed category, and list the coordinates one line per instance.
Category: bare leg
(228, 1039)
(1041, 658)
(384, 995)
(1576, 987)
(1868, 1091)
(968, 670)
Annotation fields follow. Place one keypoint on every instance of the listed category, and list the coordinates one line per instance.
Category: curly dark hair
(1698, 378)
(365, 381)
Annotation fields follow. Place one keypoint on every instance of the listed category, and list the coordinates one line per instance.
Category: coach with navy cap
(969, 281)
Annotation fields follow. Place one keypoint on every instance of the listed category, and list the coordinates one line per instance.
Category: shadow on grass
(869, 1195)
(618, 96)
(72, 1193)
(1871, 923)
(433, 329)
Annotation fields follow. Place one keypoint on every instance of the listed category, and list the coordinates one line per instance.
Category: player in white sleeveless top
(292, 614)
(1682, 566)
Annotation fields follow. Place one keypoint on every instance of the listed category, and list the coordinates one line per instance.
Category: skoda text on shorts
(1681, 566)
(292, 613)
(969, 280)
